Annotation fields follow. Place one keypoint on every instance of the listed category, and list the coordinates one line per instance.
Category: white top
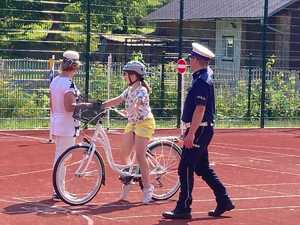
(62, 122)
(137, 112)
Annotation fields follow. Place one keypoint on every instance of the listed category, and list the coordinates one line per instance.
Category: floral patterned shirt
(137, 103)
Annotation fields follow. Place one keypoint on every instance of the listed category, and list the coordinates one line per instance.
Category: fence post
(162, 81)
(179, 92)
(263, 75)
(88, 49)
(109, 66)
(249, 86)
(125, 51)
(297, 76)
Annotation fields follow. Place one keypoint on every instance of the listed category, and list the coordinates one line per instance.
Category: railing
(24, 93)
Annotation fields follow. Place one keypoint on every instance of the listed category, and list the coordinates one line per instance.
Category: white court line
(253, 168)
(195, 188)
(23, 136)
(88, 219)
(91, 222)
(105, 204)
(264, 190)
(260, 185)
(257, 146)
(201, 212)
(258, 159)
(251, 150)
(25, 173)
(251, 198)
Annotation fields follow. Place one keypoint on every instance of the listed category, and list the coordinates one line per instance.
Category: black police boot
(178, 214)
(221, 208)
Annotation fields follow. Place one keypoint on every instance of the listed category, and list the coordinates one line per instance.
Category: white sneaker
(148, 192)
(55, 197)
(125, 191)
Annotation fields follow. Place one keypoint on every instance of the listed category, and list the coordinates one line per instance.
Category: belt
(202, 124)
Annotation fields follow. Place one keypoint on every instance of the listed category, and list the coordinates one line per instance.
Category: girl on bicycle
(63, 94)
(141, 123)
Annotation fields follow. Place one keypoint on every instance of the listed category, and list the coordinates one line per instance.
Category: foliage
(22, 96)
(16, 103)
(137, 56)
(59, 25)
(282, 100)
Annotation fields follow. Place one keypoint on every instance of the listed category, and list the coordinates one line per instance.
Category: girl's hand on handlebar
(124, 113)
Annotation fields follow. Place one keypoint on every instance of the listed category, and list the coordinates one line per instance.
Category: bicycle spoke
(164, 160)
(77, 184)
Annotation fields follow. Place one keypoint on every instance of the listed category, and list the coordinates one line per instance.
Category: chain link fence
(161, 31)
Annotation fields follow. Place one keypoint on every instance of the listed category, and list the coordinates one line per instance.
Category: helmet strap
(130, 80)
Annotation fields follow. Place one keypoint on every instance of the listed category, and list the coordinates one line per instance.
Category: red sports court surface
(260, 168)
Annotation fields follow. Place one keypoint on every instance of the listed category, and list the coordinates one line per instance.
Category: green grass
(43, 123)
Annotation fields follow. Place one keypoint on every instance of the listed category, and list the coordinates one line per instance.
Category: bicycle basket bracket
(88, 113)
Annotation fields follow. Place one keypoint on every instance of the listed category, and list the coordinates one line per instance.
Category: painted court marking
(204, 212)
(258, 169)
(25, 173)
(23, 136)
(89, 219)
(251, 150)
(257, 146)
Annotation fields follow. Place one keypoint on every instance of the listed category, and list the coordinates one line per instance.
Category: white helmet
(71, 57)
(135, 66)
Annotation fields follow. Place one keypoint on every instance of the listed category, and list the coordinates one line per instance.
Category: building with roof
(233, 29)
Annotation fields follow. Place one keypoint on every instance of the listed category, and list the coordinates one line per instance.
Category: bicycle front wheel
(163, 158)
(74, 181)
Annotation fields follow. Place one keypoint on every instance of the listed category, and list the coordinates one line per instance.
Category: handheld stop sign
(181, 66)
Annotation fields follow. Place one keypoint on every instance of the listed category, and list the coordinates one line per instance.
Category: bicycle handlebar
(97, 118)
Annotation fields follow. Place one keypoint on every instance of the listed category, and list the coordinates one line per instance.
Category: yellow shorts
(143, 128)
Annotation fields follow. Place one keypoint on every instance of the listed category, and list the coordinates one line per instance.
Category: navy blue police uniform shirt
(201, 92)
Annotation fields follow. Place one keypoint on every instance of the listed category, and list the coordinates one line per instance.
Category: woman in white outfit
(64, 94)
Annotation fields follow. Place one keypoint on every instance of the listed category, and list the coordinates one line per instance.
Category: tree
(35, 28)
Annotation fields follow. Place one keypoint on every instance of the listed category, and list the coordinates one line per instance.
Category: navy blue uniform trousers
(196, 161)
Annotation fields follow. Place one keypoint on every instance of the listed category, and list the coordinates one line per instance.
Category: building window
(228, 47)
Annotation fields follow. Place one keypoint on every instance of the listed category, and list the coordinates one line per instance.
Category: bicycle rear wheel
(73, 182)
(163, 158)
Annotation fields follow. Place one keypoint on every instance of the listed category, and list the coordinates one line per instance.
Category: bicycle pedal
(137, 179)
(125, 179)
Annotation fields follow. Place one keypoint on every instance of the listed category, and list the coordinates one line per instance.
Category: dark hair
(141, 78)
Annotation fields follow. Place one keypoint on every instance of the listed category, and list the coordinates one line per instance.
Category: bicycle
(79, 172)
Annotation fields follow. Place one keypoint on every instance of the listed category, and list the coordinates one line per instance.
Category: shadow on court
(47, 207)
(120, 206)
(39, 207)
(187, 221)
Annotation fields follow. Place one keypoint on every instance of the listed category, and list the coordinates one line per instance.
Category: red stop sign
(181, 66)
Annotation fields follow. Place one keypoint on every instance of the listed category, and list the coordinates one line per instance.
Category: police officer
(198, 112)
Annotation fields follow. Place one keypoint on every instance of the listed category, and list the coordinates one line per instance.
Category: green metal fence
(24, 94)
(256, 64)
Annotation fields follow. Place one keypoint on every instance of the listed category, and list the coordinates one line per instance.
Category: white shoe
(125, 191)
(148, 192)
(55, 197)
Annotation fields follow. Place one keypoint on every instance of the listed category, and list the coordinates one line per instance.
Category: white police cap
(135, 66)
(201, 52)
(73, 56)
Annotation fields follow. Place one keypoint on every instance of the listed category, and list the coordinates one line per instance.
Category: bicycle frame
(162, 155)
(101, 137)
